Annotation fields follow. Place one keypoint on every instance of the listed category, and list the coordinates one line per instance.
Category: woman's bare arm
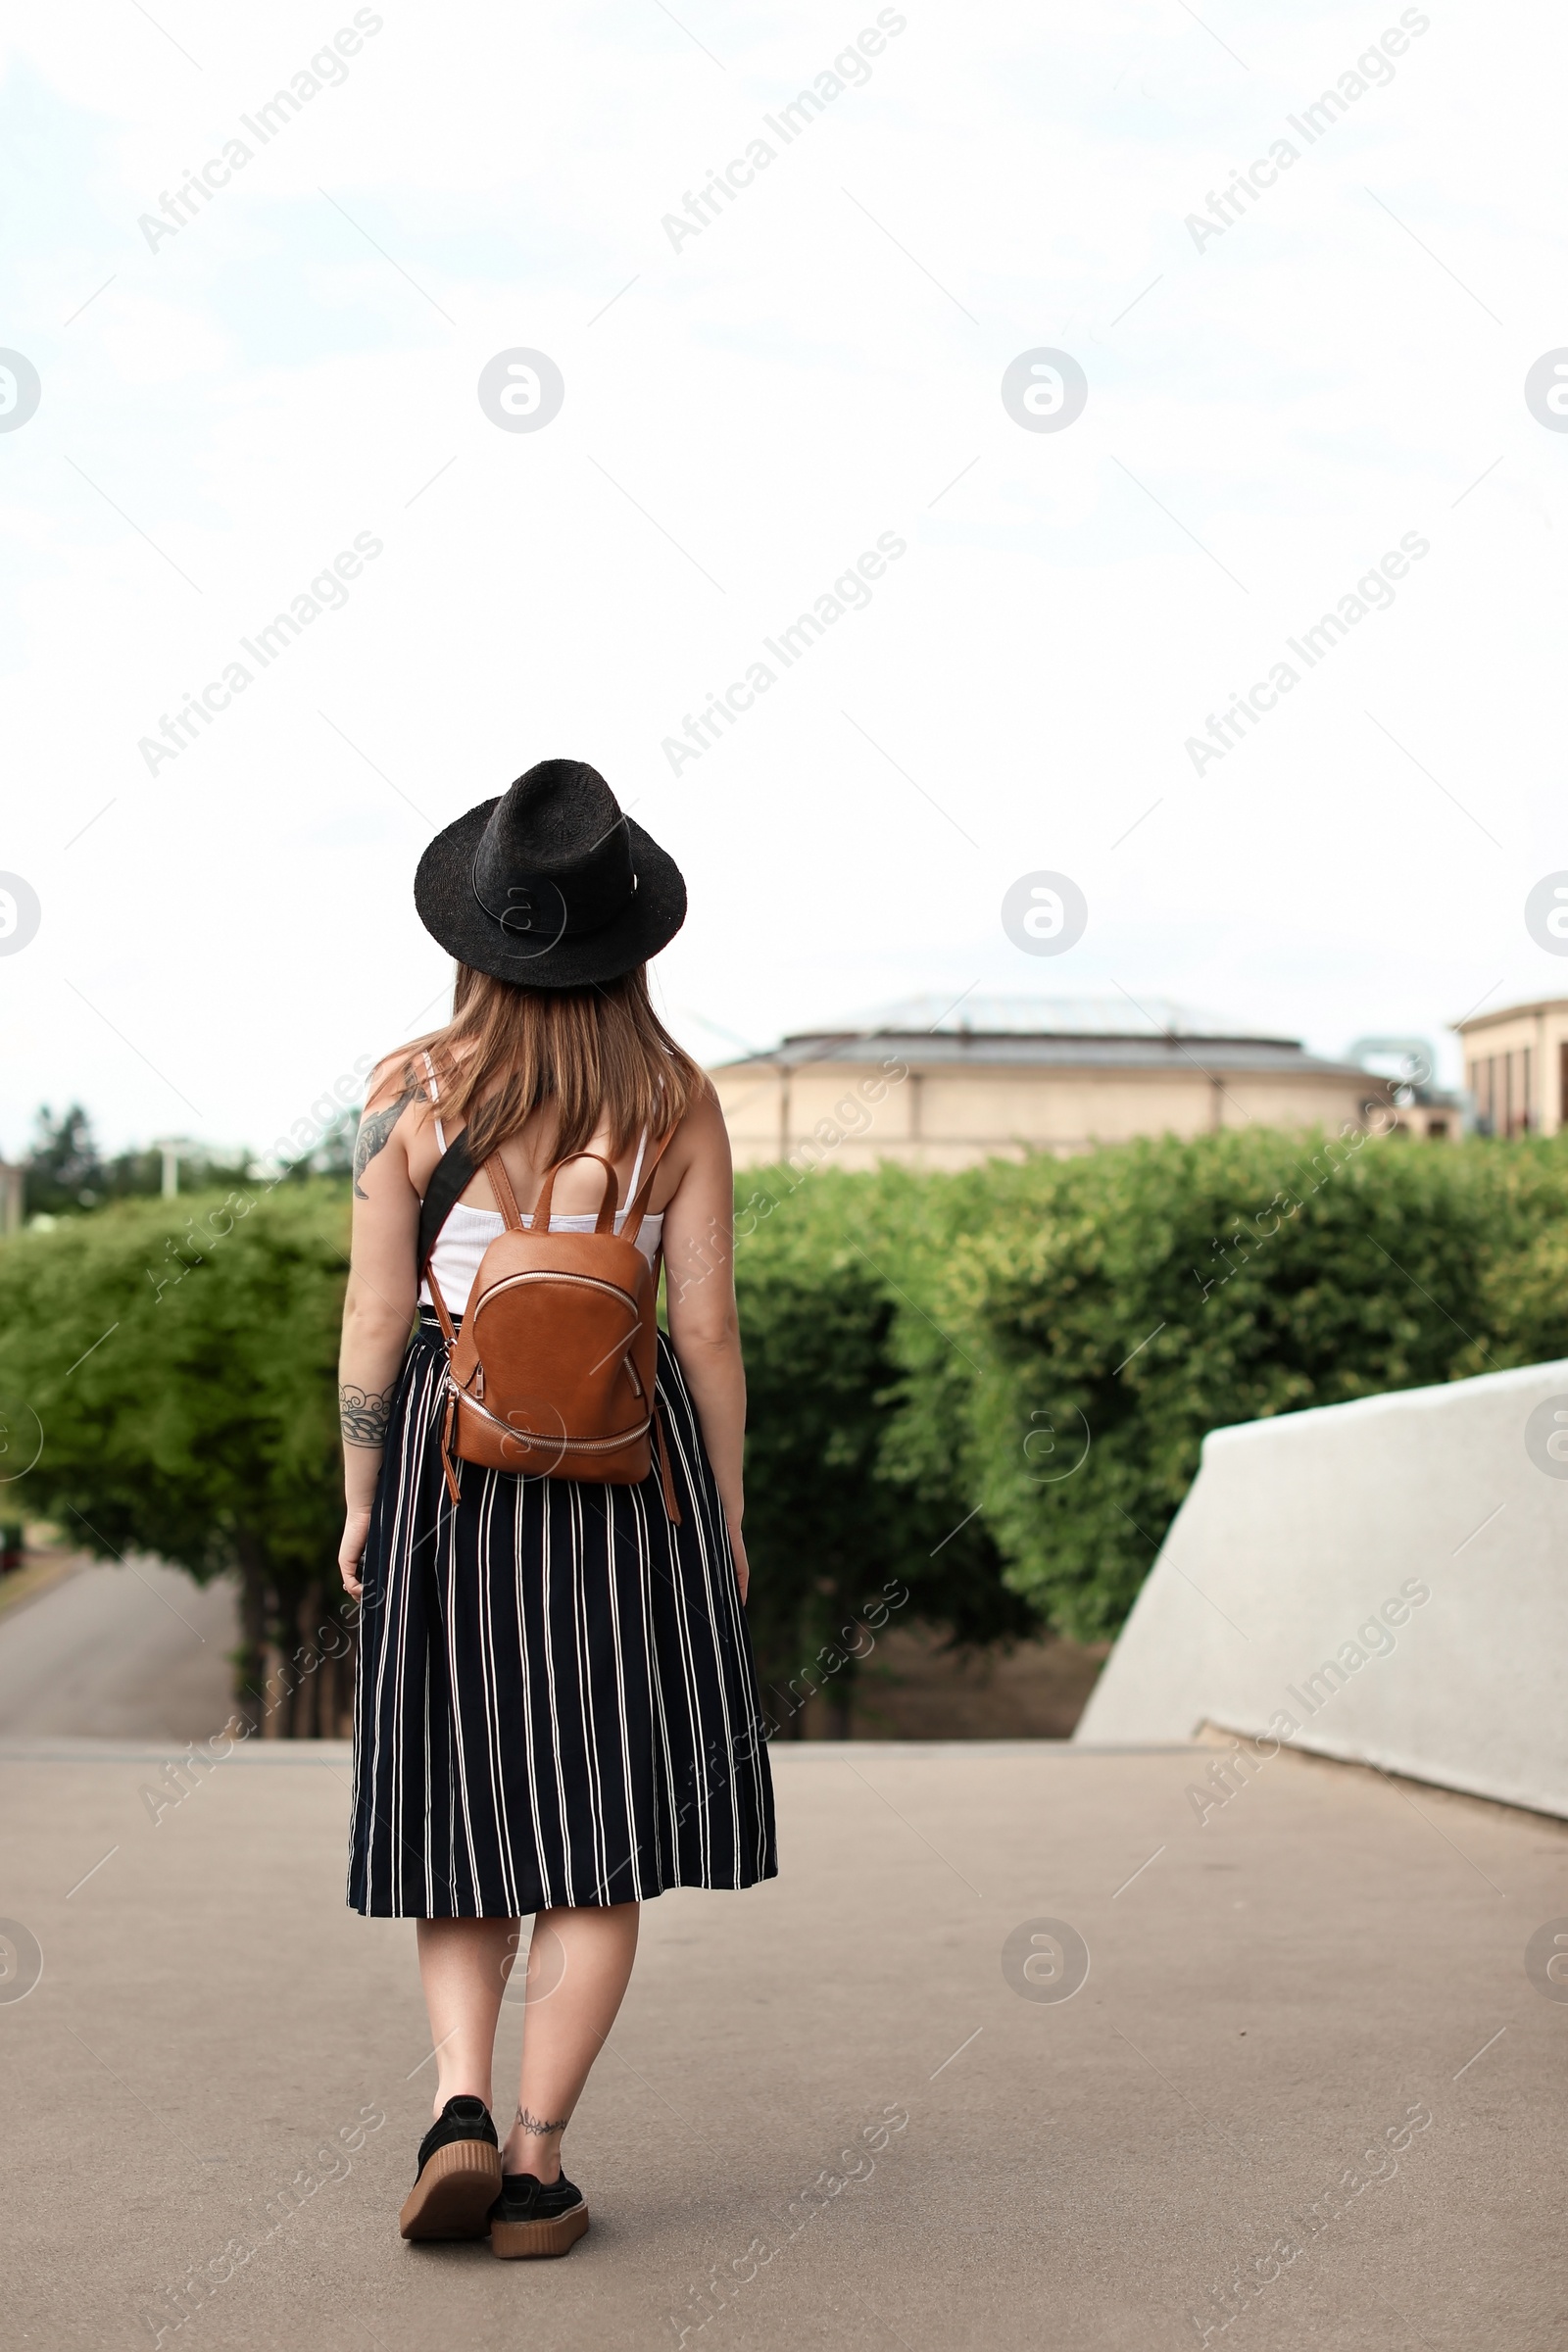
(700, 1302)
(380, 1306)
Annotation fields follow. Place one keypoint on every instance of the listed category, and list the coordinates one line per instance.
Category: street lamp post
(170, 1146)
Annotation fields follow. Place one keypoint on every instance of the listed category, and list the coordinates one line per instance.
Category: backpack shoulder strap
(453, 1173)
(506, 1197)
(637, 1206)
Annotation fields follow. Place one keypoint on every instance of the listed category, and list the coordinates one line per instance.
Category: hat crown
(555, 853)
(551, 885)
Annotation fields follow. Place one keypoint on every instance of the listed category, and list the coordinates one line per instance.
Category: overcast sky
(239, 388)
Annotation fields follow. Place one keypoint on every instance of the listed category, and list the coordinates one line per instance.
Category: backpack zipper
(593, 1282)
(535, 1438)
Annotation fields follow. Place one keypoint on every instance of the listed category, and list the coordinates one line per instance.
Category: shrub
(180, 1359)
(979, 1396)
(1086, 1322)
(816, 1268)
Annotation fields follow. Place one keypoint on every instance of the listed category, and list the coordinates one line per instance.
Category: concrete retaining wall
(1384, 1581)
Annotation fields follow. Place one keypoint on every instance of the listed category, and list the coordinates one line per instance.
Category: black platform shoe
(535, 2217)
(460, 2172)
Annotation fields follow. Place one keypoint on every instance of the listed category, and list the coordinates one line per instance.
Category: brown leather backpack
(553, 1373)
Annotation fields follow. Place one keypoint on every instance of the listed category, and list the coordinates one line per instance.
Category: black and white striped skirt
(556, 1701)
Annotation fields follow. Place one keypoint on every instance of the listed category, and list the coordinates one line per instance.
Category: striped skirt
(556, 1701)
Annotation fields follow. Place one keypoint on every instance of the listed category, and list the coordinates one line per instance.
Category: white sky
(1276, 410)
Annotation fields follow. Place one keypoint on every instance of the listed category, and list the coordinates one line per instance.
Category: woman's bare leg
(462, 1967)
(579, 1963)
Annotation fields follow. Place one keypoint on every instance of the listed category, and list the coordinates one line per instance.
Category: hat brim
(443, 894)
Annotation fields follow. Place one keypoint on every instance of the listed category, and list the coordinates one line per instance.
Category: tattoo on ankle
(534, 2122)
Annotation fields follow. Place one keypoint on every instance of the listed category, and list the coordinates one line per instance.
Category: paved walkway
(1306, 2063)
(137, 1652)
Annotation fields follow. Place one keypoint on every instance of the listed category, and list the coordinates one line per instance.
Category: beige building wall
(853, 1113)
(1516, 1066)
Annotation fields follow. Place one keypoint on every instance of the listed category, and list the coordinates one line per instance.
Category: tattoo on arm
(532, 2122)
(364, 1414)
(374, 1128)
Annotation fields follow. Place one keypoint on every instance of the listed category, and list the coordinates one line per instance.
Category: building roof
(1061, 1049)
(1509, 1012)
(1088, 1033)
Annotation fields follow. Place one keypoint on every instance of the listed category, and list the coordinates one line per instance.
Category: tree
(65, 1174)
(177, 1363)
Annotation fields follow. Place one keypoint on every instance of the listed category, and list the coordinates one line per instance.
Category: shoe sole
(453, 2193)
(521, 2242)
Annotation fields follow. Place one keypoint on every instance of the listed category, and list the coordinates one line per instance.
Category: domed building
(942, 1086)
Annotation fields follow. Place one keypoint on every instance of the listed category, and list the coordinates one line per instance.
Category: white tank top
(469, 1232)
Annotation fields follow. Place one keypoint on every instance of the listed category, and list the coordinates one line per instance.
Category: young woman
(557, 1713)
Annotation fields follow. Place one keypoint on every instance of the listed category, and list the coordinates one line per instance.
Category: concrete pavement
(1308, 2094)
(136, 1651)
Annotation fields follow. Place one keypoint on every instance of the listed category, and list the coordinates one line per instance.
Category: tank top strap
(637, 1165)
(435, 1097)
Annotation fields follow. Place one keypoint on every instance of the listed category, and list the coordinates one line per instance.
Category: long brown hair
(590, 1054)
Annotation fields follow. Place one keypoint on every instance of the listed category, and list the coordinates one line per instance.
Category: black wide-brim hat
(551, 885)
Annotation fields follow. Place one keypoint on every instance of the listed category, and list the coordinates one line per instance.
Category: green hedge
(180, 1363)
(977, 1399)
(1053, 1340)
(831, 1533)
(1075, 1328)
